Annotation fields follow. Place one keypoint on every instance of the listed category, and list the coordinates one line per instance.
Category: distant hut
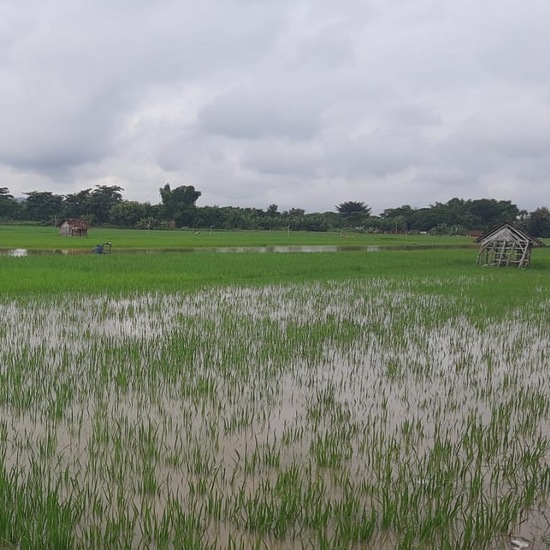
(475, 233)
(506, 245)
(74, 228)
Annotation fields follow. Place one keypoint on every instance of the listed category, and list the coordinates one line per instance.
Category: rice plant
(337, 414)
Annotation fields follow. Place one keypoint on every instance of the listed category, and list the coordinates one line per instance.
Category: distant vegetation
(105, 206)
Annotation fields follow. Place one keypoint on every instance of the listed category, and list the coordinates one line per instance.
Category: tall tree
(42, 206)
(179, 203)
(5, 194)
(273, 211)
(8, 205)
(353, 212)
(538, 223)
(101, 200)
(490, 212)
(77, 205)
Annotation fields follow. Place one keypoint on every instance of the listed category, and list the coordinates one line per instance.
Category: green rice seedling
(32, 514)
(409, 413)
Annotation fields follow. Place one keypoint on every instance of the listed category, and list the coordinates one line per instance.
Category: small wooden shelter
(74, 228)
(506, 245)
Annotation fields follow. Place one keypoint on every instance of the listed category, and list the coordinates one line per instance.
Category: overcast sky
(301, 103)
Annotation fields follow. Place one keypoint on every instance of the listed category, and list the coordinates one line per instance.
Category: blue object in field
(104, 248)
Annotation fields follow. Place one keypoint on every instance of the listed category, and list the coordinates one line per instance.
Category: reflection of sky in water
(229, 373)
(19, 252)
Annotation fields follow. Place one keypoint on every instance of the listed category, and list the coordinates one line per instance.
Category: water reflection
(330, 396)
(18, 252)
(23, 252)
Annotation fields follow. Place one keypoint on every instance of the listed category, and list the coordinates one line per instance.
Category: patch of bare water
(24, 252)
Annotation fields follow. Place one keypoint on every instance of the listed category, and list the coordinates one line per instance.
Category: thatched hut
(74, 228)
(506, 245)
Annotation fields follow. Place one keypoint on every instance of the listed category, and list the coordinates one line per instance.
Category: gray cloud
(283, 158)
(304, 104)
(244, 115)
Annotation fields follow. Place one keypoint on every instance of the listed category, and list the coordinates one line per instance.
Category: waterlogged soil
(363, 414)
(23, 252)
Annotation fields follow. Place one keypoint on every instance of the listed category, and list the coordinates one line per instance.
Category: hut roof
(507, 231)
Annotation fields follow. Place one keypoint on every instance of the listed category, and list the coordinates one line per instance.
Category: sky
(300, 103)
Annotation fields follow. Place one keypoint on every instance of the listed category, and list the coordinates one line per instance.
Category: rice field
(369, 413)
(48, 238)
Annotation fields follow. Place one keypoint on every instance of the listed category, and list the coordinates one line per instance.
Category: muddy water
(23, 252)
(234, 395)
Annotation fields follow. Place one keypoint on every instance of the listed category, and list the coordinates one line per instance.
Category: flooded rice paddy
(364, 414)
(24, 252)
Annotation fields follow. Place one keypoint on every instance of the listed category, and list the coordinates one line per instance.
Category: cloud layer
(300, 103)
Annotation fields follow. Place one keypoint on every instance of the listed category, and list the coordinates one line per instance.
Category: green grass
(47, 238)
(169, 272)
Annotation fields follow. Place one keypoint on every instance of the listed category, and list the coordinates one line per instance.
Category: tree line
(104, 205)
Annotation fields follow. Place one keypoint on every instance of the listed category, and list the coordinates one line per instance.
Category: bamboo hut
(506, 245)
(74, 228)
